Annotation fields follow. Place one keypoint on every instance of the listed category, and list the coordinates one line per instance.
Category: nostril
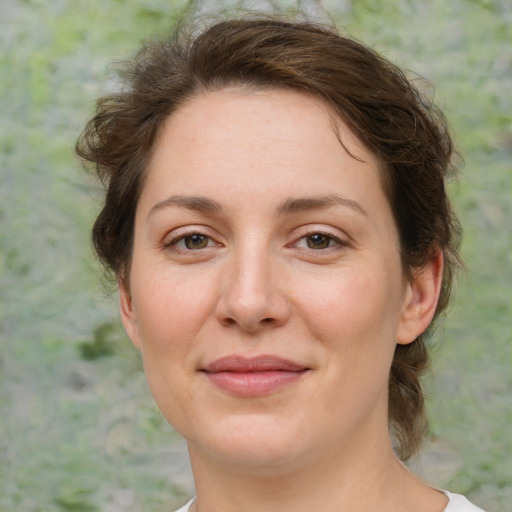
(229, 322)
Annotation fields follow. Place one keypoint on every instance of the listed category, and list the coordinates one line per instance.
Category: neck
(347, 479)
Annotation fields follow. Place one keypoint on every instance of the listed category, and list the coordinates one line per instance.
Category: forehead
(258, 142)
(234, 107)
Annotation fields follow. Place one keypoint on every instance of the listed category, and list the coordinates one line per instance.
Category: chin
(254, 442)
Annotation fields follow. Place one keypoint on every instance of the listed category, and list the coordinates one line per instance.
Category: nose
(250, 297)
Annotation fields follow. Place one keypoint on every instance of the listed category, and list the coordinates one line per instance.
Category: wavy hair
(403, 129)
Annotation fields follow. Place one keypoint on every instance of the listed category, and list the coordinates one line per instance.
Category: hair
(405, 131)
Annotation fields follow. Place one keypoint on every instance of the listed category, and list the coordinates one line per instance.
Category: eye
(318, 241)
(192, 242)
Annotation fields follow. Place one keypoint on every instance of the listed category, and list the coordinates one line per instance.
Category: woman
(277, 221)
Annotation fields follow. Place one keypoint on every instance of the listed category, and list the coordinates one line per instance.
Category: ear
(128, 316)
(420, 302)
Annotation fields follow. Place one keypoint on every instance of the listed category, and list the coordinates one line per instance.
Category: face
(266, 291)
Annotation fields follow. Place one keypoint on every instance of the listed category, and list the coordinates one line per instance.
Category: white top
(457, 503)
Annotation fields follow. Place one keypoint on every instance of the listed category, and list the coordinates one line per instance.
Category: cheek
(355, 320)
(170, 311)
(354, 304)
(170, 307)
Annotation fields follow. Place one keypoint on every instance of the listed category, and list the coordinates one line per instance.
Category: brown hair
(405, 131)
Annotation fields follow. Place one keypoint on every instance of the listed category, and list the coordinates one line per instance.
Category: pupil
(318, 241)
(196, 241)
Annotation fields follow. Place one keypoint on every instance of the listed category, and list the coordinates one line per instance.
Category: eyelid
(310, 230)
(173, 237)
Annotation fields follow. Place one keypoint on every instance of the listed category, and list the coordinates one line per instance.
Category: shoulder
(459, 503)
(186, 506)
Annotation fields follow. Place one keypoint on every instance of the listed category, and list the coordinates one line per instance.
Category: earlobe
(128, 317)
(421, 299)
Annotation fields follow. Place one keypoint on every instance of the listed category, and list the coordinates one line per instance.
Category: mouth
(255, 376)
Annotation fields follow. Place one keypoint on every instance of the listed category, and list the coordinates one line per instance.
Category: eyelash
(172, 244)
(332, 241)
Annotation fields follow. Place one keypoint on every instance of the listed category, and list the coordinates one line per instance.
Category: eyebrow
(290, 206)
(302, 204)
(196, 203)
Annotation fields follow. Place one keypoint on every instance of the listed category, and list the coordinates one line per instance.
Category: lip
(253, 376)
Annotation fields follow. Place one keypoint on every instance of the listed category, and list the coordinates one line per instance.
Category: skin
(253, 282)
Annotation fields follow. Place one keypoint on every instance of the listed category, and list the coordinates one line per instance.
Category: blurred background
(78, 428)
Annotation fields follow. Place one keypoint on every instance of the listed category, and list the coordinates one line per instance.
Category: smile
(253, 377)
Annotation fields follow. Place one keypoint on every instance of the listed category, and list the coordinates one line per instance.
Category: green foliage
(76, 501)
(101, 345)
(78, 429)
